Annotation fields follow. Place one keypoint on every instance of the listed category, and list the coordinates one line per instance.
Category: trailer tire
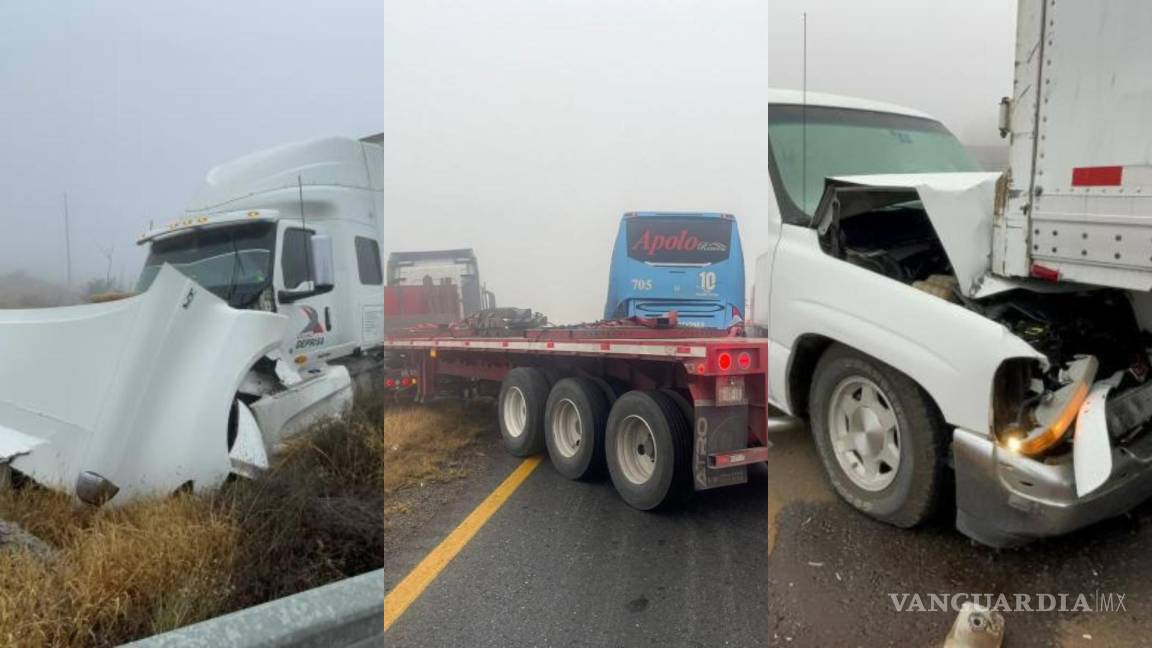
(897, 423)
(574, 422)
(648, 448)
(683, 403)
(523, 396)
(613, 388)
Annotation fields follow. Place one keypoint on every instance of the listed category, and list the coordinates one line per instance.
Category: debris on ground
(13, 537)
(976, 627)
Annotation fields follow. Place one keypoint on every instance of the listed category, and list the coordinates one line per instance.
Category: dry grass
(119, 574)
(318, 511)
(101, 298)
(116, 574)
(423, 444)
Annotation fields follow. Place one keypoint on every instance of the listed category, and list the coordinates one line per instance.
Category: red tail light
(390, 383)
(724, 361)
(405, 382)
(744, 360)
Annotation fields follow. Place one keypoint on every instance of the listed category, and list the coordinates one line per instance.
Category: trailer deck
(717, 380)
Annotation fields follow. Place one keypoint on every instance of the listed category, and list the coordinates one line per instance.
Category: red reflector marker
(1104, 176)
(700, 368)
(724, 361)
(744, 360)
(1043, 272)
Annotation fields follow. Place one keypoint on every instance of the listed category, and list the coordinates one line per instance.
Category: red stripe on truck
(1104, 176)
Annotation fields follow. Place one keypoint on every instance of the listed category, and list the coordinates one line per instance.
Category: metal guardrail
(348, 613)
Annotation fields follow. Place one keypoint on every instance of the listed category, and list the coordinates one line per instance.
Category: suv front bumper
(1004, 499)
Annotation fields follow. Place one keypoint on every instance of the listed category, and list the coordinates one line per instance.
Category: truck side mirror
(323, 272)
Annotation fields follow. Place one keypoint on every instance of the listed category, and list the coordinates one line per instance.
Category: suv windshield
(841, 141)
(233, 262)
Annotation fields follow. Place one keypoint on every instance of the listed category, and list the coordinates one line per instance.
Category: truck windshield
(841, 141)
(234, 263)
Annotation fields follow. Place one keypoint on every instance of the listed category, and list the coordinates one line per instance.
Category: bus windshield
(234, 262)
(841, 141)
(689, 241)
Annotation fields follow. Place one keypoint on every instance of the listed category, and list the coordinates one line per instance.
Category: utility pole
(108, 252)
(67, 241)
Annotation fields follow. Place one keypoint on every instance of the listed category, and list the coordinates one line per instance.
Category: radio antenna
(304, 224)
(804, 112)
(67, 240)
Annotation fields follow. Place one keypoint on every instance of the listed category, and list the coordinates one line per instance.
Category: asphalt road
(831, 570)
(569, 564)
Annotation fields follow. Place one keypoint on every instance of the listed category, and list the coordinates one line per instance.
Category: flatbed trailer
(665, 410)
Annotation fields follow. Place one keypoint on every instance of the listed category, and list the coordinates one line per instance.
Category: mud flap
(718, 429)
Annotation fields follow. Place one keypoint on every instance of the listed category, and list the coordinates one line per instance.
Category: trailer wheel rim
(636, 450)
(864, 433)
(515, 412)
(567, 428)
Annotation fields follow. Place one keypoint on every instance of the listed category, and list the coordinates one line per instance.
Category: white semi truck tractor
(253, 310)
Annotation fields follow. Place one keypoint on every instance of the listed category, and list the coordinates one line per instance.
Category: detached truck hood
(960, 207)
(137, 392)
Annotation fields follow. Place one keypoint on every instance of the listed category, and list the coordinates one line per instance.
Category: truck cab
(294, 230)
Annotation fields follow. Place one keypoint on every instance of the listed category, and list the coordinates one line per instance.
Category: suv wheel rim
(864, 433)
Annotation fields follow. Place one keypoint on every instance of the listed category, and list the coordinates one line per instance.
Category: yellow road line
(413, 585)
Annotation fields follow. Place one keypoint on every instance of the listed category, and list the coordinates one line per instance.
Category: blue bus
(690, 263)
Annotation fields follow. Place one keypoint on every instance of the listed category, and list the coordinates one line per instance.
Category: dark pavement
(569, 564)
(831, 570)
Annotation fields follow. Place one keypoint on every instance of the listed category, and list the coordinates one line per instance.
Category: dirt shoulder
(434, 457)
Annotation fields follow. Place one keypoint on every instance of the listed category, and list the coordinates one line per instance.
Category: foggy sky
(126, 105)
(525, 128)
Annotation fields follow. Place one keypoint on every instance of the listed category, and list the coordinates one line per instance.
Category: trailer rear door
(1078, 202)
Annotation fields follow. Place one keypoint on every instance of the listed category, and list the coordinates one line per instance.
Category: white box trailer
(1077, 202)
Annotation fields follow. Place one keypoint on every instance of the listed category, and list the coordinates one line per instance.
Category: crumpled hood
(960, 207)
(138, 391)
